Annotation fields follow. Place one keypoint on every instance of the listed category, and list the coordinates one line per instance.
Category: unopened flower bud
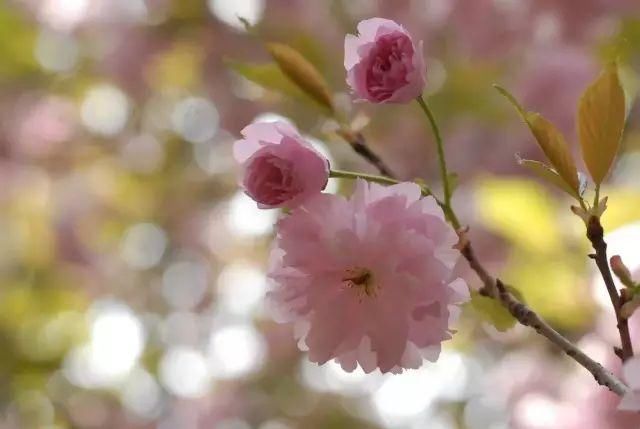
(621, 271)
(629, 307)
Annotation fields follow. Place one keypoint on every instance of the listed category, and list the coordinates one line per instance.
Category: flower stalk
(383, 180)
(344, 174)
(444, 174)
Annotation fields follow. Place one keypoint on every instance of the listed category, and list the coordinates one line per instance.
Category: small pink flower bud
(280, 169)
(629, 307)
(621, 271)
(383, 64)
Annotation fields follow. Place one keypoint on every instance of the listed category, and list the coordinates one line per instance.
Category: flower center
(361, 279)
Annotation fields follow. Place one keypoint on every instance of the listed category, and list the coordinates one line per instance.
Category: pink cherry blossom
(367, 280)
(631, 372)
(383, 64)
(280, 169)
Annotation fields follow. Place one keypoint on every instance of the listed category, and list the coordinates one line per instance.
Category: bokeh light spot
(184, 284)
(235, 351)
(141, 394)
(105, 110)
(56, 52)
(143, 245)
(183, 371)
(241, 288)
(245, 219)
(228, 11)
(117, 339)
(195, 119)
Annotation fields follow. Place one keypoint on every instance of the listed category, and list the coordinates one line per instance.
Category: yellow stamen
(361, 279)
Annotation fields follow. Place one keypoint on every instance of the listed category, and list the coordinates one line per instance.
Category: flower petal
(371, 28)
(351, 55)
(631, 372)
(630, 402)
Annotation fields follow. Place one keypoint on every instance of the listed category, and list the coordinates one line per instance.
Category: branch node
(618, 351)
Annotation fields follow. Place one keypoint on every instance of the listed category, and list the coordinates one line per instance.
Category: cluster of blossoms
(366, 280)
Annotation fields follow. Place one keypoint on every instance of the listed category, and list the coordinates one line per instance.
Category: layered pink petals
(383, 64)
(631, 372)
(367, 281)
(280, 169)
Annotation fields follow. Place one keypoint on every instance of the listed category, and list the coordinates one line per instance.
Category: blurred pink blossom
(368, 280)
(553, 80)
(43, 126)
(631, 372)
(383, 64)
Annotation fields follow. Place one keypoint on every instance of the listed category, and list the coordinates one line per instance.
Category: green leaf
(601, 116)
(548, 174)
(551, 141)
(492, 311)
(16, 50)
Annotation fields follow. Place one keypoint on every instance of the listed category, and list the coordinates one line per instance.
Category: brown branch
(488, 282)
(359, 145)
(595, 234)
(527, 317)
(494, 288)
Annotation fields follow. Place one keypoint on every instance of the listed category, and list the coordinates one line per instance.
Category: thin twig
(494, 288)
(527, 317)
(488, 282)
(595, 234)
(359, 145)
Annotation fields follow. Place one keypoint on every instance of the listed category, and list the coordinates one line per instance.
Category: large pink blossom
(383, 64)
(367, 280)
(280, 169)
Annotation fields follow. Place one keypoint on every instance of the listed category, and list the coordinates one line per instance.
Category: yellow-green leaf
(601, 115)
(548, 174)
(554, 147)
(297, 68)
(506, 94)
(16, 50)
(551, 141)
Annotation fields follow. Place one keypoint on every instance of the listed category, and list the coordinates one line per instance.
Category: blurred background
(132, 268)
